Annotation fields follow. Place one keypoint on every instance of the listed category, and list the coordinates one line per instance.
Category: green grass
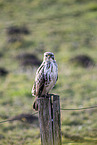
(67, 28)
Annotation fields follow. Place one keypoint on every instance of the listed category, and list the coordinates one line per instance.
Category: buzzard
(46, 77)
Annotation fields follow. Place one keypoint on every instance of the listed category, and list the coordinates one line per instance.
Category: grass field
(68, 29)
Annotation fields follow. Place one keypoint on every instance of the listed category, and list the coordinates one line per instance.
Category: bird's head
(48, 56)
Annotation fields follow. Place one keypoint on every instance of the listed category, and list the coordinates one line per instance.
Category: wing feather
(39, 81)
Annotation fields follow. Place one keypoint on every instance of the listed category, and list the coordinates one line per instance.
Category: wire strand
(84, 108)
(12, 119)
(64, 109)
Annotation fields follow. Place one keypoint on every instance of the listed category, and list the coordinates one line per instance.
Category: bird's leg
(46, 94)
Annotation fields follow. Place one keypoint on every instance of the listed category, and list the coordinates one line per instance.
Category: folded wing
(39, 81)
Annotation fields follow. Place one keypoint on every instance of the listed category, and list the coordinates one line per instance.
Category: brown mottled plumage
(46, 76)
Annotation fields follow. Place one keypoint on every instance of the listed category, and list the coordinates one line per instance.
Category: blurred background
(29, 28)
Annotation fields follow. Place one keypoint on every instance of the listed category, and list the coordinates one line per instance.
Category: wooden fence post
(49, 120)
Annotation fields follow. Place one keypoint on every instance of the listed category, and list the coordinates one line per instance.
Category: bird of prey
(46, 77)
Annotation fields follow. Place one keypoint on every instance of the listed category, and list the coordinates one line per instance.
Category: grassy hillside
(66, 28)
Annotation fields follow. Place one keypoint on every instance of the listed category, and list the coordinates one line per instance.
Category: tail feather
(35, 104)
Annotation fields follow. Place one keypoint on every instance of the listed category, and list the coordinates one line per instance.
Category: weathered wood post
(49, 120)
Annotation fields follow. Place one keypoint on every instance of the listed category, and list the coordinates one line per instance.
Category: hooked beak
(48, 56)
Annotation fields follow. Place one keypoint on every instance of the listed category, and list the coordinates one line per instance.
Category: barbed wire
(64, 109)
(12, 118)
(78, 109)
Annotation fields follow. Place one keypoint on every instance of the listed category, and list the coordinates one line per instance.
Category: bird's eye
(52, 57)
(46, 55)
